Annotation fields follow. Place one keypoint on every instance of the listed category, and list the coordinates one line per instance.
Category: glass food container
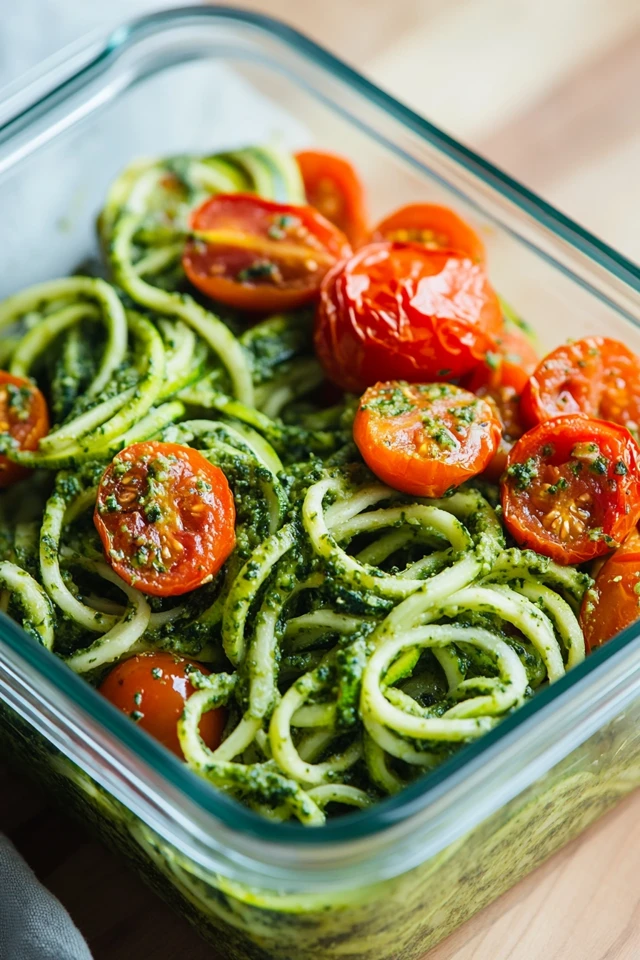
(392, 881)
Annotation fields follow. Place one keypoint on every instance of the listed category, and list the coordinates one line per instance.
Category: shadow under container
(390, 882)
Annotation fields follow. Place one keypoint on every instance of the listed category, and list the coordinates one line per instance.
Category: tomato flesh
(571, 490)
(506, 405)
(596, 376)
(397, 311)
(614, 600)
(24, 417)
(334, 188)
(501, 382)
(437, 227)
(258, 255)
(166, 517)
(152, 688)
(424, 439)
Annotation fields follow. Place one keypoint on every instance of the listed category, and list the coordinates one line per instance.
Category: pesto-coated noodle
(356, 636)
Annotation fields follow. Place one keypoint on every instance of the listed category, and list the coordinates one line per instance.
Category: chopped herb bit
(19, 401)
(137, 698)
(153, 513)
(136, 715)
(560, 484)
(493, 359)
(259, 270)
(600, 465)
(465, 414)
(390, 402)
(620, 468)
(156, 673)
(585, 451)
(598, 534)
(548, 450)
(523, 473)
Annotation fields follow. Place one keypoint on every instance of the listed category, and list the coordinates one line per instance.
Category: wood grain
(550, 91)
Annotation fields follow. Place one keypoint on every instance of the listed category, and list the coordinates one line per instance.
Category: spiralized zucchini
(356, 636)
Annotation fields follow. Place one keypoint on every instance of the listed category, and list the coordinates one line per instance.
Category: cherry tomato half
(258, 255)
(24, 416)
(506, 405)
(152, 688)
(511, 366)
(438, 228)
(400, 311)
(334, 188)
(424, 439)
(500, 382)
(613, 602)
(166, 517)
(595, 376)
(571, 490)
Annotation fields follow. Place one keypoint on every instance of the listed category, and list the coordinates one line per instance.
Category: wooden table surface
(550, 91)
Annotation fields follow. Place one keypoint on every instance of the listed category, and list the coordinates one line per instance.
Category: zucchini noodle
(356, 636)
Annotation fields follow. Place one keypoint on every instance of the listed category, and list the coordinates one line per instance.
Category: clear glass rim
(415, 798)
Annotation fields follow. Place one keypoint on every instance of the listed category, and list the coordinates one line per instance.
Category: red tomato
(595, 376)
(511, 366)
(24, 416)
(506, 405)
(166, 517)
(572, 488)
(438, 228)
(614, 601)
(258, 255)
(424, 439)
(152, 688)
(334, 188)
(501, 383)
(400, 311)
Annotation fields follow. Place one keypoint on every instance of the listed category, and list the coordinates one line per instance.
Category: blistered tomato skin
(613, 602)
(596, 376)
(425, 439)
(151, 688)
(401, 311)
(571, 490)
(166, 517)
(24, 417)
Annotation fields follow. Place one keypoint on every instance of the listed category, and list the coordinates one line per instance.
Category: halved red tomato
(506, 405)
(614, 600)
(152, 688)
(595, 376)
(571, 490)
(511, 366)
(166, 517)
(258, 255)
(334, 188)
(437, 227)
(24, 417)
(401, 311)
(422, 438)
(500, 381)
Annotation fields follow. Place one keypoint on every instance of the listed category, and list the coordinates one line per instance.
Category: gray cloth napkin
(33, 924)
